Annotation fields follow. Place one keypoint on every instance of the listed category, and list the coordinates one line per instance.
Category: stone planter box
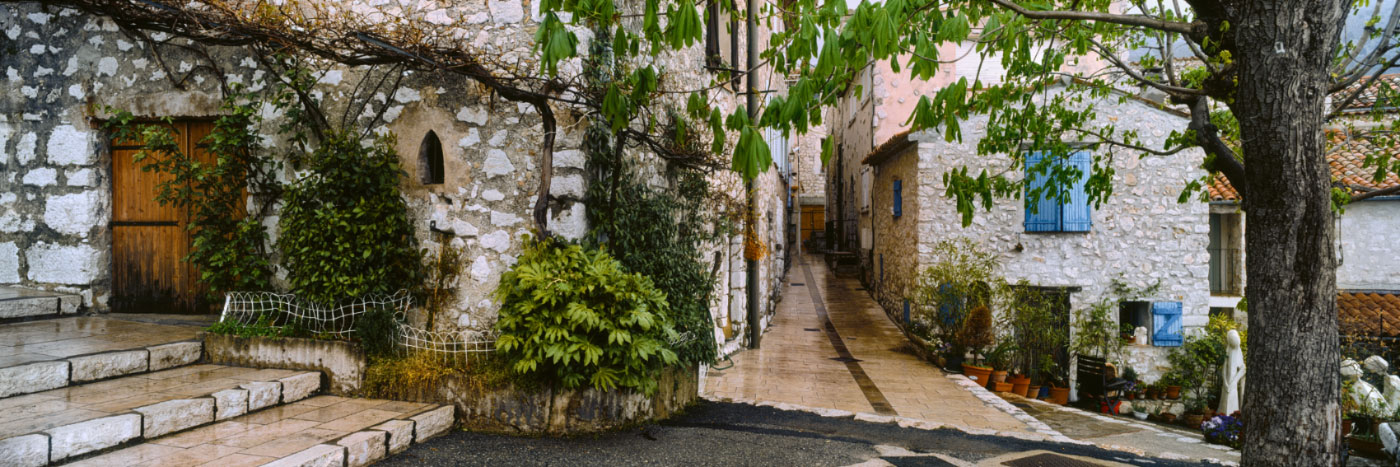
(343, 363)
(545, 411)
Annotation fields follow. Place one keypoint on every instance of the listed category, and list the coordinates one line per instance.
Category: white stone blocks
(58, 264)
(109, 364)
(432, 423)
(93, 435)
(364, 448)
(497, 163)
(34, 377)
(73, 214)
(38, 306)
(571, 186)
(42, 176)
(569, 159)
(320, 455)
(9, 263)
(230, 403)
(262, 394)
(297, 387)
(400, 434)
(70, 146)
(25, 451)
(506, 11)
(174, 354)
(172, 416)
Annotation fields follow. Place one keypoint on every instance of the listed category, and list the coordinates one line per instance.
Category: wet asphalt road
(712, 433)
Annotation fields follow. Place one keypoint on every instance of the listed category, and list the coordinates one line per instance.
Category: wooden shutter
(1046, 215)
(1166, 324)
(1078, 214)
(898, 199)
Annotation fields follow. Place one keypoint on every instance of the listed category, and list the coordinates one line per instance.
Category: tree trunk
(1291, 407)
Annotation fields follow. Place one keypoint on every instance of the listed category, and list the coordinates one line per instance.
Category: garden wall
(341, 362)
(539, 411)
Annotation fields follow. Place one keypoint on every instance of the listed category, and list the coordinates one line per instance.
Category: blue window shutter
(1079, 214)
(898, 199)
(1046, 217)
(1166, 324)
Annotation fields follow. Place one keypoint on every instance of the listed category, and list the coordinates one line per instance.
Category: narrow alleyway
(832, 347)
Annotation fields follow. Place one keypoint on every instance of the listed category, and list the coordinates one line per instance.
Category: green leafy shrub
(376, 330)
(345, 230)
(265, 326)
(573, 317)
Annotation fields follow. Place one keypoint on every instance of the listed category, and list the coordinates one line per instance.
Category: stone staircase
(154, 404)
(20, 304)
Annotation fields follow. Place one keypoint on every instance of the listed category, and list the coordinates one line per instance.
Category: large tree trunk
(1291, 406)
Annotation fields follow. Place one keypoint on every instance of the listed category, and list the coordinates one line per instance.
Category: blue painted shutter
(1047, 213)
(1166, 324)
(898, 199)
(1079, 214)
(949, 311)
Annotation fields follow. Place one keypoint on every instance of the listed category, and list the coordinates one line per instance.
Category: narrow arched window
(430, 170)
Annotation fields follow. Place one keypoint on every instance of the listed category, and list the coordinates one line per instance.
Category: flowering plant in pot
(1140, 410)
(1224, 429)
(999, 358)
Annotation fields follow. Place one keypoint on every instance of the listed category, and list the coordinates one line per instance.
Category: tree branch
(1376, 193)
(1208, 136)
(1188, 29)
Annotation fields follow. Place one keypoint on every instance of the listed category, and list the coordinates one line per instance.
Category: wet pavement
(831, 346)
(54, 339)
(1127, 434)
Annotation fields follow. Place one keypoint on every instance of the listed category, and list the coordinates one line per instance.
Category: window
(1048, 215)
(1136, 314)
(430, 169)
(1225, 259)
(898, 199)
(721, 50)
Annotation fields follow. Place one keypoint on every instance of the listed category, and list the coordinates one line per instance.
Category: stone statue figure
(1232, 373)
(1140, 336)
(1392, 390)
(1365, 395)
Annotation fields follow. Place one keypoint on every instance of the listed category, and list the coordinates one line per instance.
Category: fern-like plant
(573, 317)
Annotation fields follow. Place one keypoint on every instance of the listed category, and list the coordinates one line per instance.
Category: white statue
(1140, 336)
(1233, 374)
(1365, 395)
(1376, 364)
(1392, 390)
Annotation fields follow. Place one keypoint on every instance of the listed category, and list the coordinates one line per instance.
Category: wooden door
(149, 241)
(813, 220)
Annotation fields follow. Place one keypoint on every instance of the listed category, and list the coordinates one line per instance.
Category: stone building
(886, 193)
(65, 220)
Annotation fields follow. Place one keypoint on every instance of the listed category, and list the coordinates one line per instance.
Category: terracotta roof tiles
(1369, 313)
(1347, 158)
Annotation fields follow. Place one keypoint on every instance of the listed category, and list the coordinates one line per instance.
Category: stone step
(319, 431)
(42, 355)
(18, 304)
(63, 424)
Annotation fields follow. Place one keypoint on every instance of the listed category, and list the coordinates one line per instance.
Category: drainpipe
(751, 98)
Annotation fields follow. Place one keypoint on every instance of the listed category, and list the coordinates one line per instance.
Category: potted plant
(1019, 383)
(999, 358)
(1125, 332)
(976, 334)
(1152, 391)
(1140, 410)
(1130, 390)
(1059, 391)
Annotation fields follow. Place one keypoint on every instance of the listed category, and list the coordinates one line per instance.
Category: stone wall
(341, 362)
(55, 191)
(1140, 236)
(896, 240)
(1369, 246)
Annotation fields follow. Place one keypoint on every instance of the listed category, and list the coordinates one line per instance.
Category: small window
(721, 48)
(1048, 215)
(1133, 315)
(898, 199)
(430, 160)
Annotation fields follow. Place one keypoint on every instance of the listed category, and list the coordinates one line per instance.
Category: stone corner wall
(342, 363)
(895, 258)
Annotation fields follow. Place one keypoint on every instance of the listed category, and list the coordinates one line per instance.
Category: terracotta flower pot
(1020, 387)
(1173, 392)
(1001, 386)
(981, 375)
(1032, 392)
(1019, 379)
(1168, 417)
(1059, 396)
(1152, 394)
(998, 376)
(1193, 420)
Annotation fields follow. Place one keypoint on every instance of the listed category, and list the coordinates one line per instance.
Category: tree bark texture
(1291, 405)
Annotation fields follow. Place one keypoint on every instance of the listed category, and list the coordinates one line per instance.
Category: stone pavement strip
(831, 348)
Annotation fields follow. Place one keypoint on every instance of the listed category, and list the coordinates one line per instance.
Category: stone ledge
(93, 435)
(400, 434)
(364, 447)
(432, 423)
(298, 387)
(320, 455)
(172, 416)
(33, 377)
(175, 354)
(262, 394)
(25, 451)
(230, 403)
(342, 362)
(108, 364)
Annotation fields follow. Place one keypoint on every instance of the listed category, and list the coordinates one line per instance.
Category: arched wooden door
(149, 240)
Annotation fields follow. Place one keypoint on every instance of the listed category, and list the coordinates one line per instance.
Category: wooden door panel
(147, 273)
(134, 191)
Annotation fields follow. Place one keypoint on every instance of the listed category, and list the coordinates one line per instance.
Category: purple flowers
(1224, 429)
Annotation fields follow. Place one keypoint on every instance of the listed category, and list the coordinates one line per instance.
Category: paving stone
(400, 434)
(174, 354)
(33, 377)
(432, 423)
(230, 403)
(262, 394)
(364, 447)
(92, 435)
(109, 364)
(321, 455)
(171, 416)
(297, 387)
(25, 451)
(38, 306)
